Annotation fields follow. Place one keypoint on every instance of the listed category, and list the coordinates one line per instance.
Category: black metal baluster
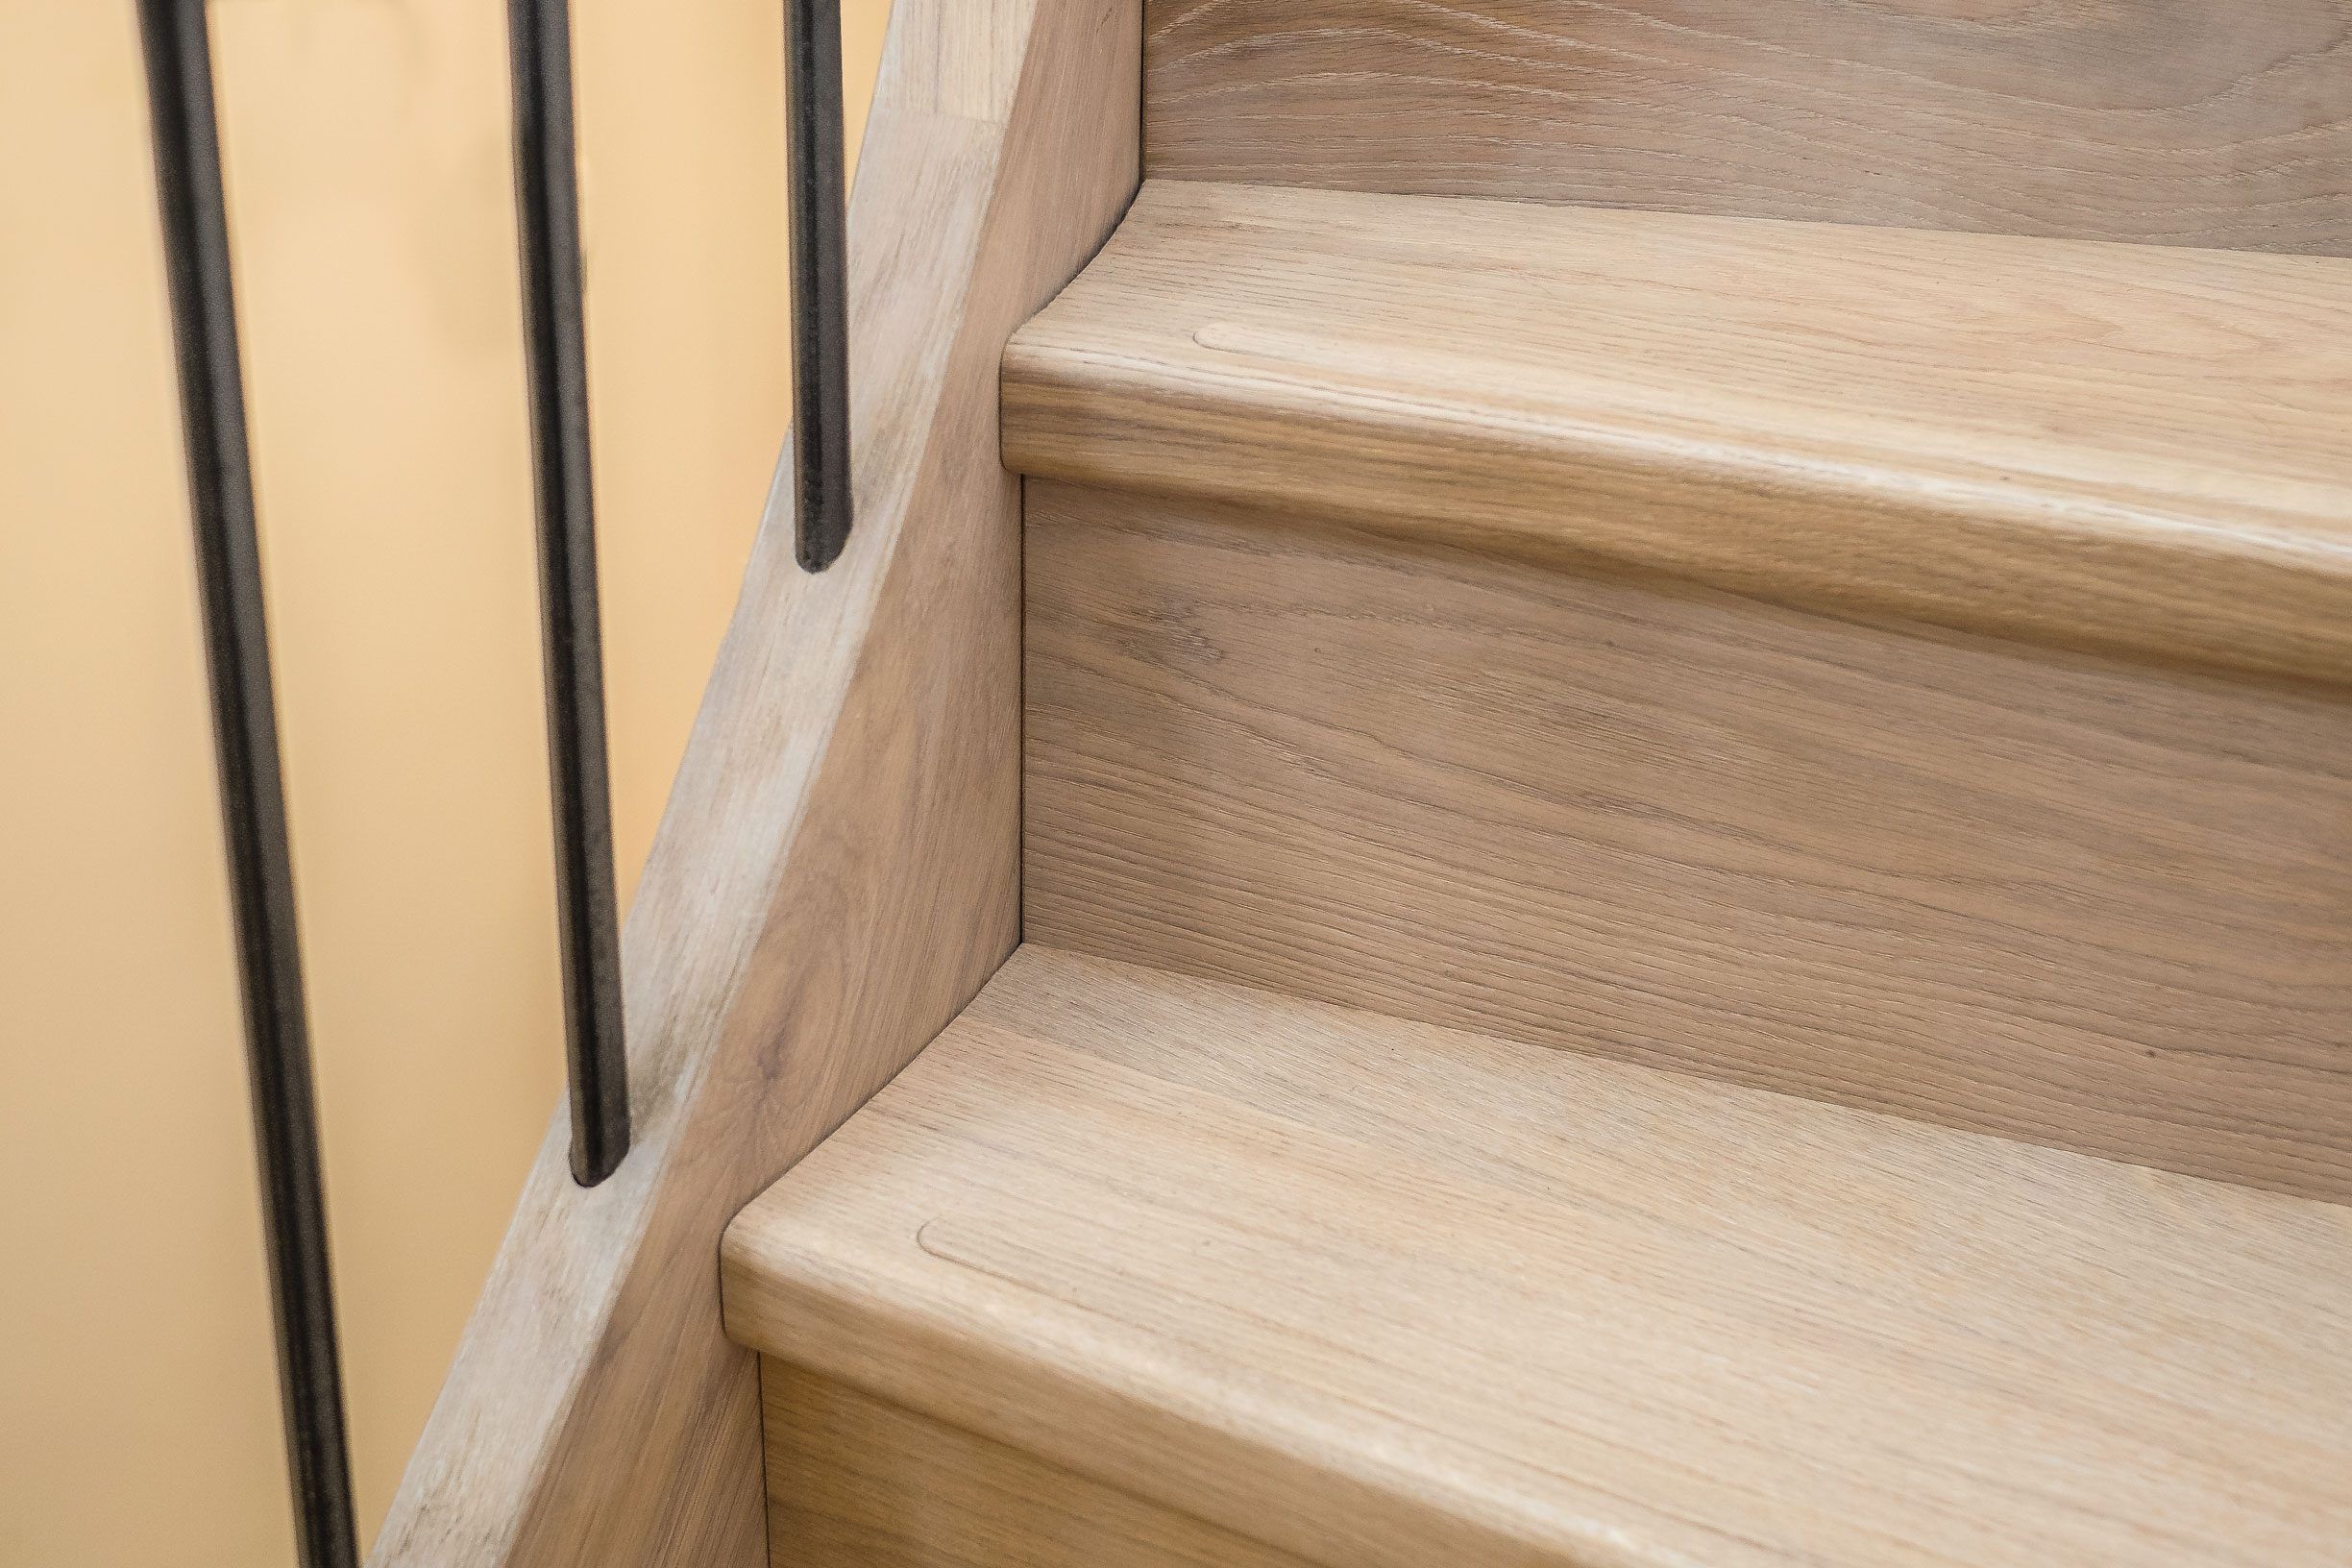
(820, 279)
(547, 199)
(252, 798)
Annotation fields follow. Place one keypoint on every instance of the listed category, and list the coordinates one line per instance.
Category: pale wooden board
(2086, 905)
(1391, 1296)
(2110, 446)
(2185, 122)
(837, 870)
(856, 1483)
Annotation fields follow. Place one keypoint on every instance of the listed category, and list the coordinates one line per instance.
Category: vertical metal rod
(253, 800)
(547, 201)
(820, 279)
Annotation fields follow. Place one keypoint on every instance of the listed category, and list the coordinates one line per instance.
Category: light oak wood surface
(856, 1483)
(2110, 446)
(1390, 1296)
(836, 874)
(2089, 904)
(2185, 122)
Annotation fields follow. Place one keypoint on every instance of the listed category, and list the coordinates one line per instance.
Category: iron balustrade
(580, 788)
(178, 46)
(816, 178)
(192, 208)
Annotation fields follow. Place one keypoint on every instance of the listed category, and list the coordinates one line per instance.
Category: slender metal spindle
(820, 279)
(547, 201)
(252, 798)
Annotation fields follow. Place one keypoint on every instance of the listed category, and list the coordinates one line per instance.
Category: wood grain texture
(856, 1483)
(2088, 905)
(2181, 122)
(836, 872)
(2117, 446)
(1388, 1296)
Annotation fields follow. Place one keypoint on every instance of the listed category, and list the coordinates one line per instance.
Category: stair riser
(2175, 121)
(855, 1482)
(2086, 904)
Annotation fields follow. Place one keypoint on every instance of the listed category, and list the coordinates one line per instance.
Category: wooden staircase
(1577, 763)
(1684, 805)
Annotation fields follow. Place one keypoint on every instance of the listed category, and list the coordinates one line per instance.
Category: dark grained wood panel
(2020, 892)
(2183, 122)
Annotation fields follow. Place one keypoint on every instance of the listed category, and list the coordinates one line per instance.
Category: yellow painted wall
(367, 158)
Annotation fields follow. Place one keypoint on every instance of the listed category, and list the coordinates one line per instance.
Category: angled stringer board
(838, 870)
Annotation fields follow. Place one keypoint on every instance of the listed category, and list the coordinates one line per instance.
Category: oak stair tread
(2140, 450)
(1375, 1293)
